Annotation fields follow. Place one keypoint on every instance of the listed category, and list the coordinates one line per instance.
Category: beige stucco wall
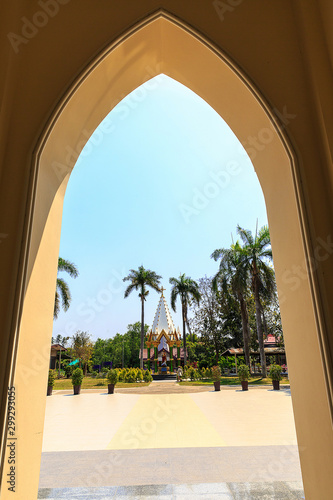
(282, 52)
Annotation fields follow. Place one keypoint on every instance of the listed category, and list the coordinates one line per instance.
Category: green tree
(233, 272)
(126, 347)
(102, 351)
(202, 352)
(271, 317)
(121, 351)
(188, 290)
(62, 293)
(133, 340)
(232, 315)
(82, 348)
(257, 255)
(208, 320)
(140, 280)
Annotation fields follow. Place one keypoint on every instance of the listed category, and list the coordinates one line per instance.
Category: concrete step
(165, 377)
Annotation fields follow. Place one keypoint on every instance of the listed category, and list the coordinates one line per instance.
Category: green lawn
(92, 383)
(236, 381)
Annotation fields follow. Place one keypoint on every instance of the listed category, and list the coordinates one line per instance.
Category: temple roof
(163, 330)
(162, 320)
(163, 345)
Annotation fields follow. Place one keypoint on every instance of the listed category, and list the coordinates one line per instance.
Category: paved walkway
(243, 444)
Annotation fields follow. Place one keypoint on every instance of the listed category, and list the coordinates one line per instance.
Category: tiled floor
(172, 466)
(229, 445)
(121, 421)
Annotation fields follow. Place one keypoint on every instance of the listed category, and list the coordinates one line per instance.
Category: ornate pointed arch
(161, 43)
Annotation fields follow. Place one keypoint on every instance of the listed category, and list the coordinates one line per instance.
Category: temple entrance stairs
(166, 378)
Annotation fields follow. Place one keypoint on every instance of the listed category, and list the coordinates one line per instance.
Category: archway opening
(199, 183)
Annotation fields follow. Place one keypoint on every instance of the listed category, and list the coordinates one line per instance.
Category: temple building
(163, 353)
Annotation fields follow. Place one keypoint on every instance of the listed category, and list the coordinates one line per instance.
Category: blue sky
(162, 182)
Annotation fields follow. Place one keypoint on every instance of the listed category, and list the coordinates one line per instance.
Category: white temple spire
(162, 320)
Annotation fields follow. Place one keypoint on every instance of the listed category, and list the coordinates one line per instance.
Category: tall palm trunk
(142, 329)
(259, 325)
(184, 332)
(189, 331)
(264, 322)
(189, 328)
(245, 328)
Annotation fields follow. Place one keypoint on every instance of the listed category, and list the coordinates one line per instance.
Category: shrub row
(131, 375)
(197, 374)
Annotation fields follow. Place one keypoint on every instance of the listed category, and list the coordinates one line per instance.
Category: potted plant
(50, 382)
(275, 372)
(112, 377)
(77, 377)
(243, 375)
(216, 374)
(68, 371)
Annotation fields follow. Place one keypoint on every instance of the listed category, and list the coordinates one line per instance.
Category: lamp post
(123, 354)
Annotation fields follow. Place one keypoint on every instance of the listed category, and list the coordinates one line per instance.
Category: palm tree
(232, 271)
(62, 289)
(257, 257)
(187, 289)
(140, 279)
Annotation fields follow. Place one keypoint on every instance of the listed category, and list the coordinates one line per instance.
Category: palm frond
(173, 298)
(245, 235)
(131, 275)
(173, 281)
(130, 289)
(217, 254)
(64, 293)
(68, 267)
(62, 289)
